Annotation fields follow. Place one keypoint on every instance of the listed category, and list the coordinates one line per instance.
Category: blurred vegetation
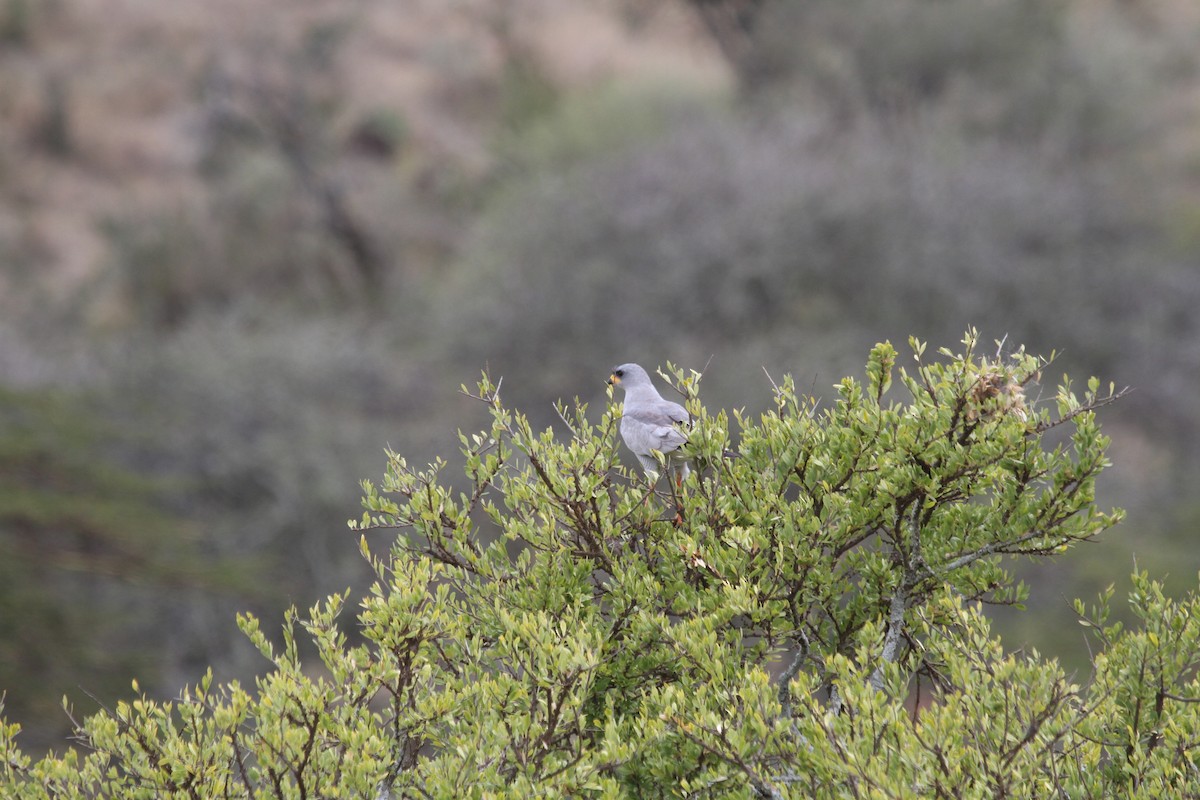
(85, 546)
(18, 19)
(247, 347)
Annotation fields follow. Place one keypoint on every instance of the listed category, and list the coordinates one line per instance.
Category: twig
(774, 385)
(1073, 413)
(558, 409)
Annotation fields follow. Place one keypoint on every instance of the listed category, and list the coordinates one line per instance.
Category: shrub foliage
(802, 618)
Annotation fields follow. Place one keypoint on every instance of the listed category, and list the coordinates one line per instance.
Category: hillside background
(246, 246)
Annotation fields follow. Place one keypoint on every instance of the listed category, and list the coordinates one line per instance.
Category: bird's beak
(613, 380)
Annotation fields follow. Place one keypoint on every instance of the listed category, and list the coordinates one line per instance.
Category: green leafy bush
(562, 629)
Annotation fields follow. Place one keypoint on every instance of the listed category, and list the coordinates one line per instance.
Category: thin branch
(1100, 402)
(558, 409)
(994, 548)
(1000, 347)
(492, 399)
(1179, 698)
(774, 385)
(762, 787)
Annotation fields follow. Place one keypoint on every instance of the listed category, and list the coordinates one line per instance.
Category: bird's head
(629, 376)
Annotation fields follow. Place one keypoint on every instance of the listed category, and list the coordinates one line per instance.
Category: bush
(563, 629)
(179, 480)
(1009, 68)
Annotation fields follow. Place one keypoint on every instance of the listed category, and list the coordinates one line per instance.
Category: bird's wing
(653, 426)
(659, 411)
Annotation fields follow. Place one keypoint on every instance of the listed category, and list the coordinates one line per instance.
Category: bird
(650, 424)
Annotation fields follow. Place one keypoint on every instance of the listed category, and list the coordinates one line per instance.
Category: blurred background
(246, 246)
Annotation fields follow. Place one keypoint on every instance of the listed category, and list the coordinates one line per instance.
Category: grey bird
(650, 424)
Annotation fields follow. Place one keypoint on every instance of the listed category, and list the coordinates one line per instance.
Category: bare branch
(895, 633)
(792, 670)
(774, 386)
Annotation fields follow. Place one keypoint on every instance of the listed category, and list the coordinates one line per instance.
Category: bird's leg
(652, 479)
(676, 487)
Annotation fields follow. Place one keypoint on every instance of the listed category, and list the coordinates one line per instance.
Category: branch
(774, 386)
(785, 678)
(982, 552)
(899, 601)
(1083, 409)
(1179, 698)
(761, 786)
(895, 633)
(994, 548)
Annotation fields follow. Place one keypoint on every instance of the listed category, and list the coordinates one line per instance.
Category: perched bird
(651, 424)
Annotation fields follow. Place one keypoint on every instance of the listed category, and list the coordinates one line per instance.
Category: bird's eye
(620, 373)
